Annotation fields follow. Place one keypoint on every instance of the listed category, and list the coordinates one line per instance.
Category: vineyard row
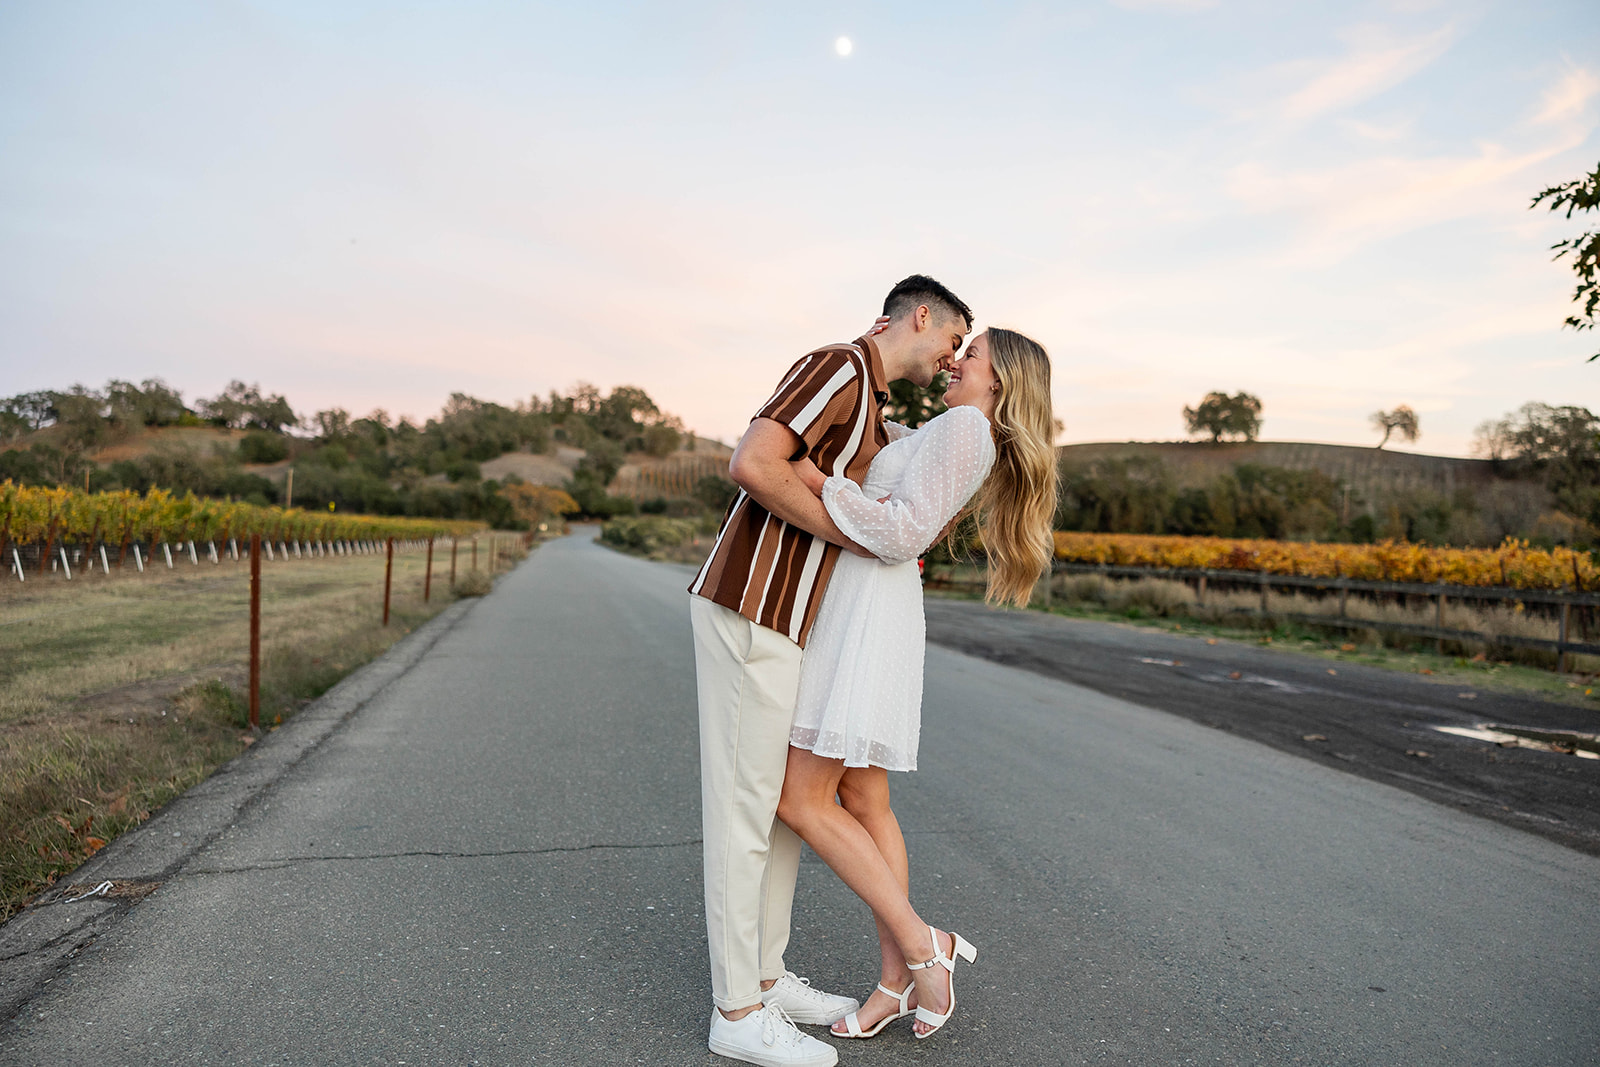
(48, 520)
(1513, 565)
(72, 559)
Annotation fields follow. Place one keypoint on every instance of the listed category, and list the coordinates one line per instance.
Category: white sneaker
(806, 1005)
(767, 1037)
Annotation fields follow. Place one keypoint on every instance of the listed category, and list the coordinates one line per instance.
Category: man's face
(939, 341)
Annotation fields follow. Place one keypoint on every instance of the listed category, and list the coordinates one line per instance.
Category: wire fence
(64, 563)
(1572, 612)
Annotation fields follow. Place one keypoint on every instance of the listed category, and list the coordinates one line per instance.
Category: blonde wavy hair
(1017, 502)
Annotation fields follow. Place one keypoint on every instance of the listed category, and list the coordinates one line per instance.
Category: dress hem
(845, 760)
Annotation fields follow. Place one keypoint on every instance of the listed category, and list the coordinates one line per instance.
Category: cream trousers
(747, 677)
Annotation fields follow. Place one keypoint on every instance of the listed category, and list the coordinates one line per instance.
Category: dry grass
(1164, 598)
(119, 692)
(1168, 604)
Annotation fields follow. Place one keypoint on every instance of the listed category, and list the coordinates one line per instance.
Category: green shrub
(260, 447)
(646, 535)
(474, 583)
(715, 492)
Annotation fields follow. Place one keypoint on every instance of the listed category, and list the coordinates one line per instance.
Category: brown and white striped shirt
(773, 573)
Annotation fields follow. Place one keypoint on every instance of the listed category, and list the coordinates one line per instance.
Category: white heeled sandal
(961, 947)
(852, 1022)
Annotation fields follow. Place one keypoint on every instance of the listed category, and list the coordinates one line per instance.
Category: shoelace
(805, 984)
(775, 1022)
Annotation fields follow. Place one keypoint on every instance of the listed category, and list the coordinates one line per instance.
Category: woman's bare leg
(864, 793)
(810, 784)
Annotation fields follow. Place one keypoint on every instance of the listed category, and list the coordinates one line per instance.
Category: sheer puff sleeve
(952, 460)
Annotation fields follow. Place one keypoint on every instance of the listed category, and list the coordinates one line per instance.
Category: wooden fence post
(1265, 586)
(1561, 654)
(1438, 619)
(255, 631)
(455, 542)
(1200, 590)
(474, 553)
(388, 575)
(427, 575)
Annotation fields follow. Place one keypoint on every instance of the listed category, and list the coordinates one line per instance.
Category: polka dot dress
(860, 696)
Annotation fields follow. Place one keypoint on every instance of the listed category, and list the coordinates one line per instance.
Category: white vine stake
(138, 557)
(297, 548)
(233, 547)
(16, 561)
(104, 566)
(64, 565)
(166, 550)
(268, 546)
(211, 550)
(195, 560)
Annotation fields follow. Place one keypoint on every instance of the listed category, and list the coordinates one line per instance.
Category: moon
(843, 46)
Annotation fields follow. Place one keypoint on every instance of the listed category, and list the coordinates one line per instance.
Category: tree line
(386, 466)
(1548, 460)
(372, 463)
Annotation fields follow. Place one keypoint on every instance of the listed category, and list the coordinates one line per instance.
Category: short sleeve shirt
(767, 570)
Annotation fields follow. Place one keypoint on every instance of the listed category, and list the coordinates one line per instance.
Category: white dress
(860, 697)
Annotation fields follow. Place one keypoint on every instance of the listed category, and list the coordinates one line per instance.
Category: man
(752, 607)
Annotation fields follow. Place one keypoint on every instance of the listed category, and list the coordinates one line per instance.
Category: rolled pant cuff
(735, 1003)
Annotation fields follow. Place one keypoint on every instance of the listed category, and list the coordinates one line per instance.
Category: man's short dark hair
(921, 289)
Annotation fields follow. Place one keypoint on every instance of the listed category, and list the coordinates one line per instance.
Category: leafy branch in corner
(1580, 195)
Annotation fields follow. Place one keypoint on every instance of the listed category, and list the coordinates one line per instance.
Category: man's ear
(922, 318)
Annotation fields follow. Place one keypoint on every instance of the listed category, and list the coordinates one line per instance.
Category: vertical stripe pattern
(762, 567)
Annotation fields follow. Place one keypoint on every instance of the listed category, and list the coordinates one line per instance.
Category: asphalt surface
(493, 859)
(1360, 719)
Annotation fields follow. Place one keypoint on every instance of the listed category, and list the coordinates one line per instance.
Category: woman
(858, 713)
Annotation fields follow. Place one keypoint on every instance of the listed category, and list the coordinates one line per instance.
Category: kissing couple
(809, 637)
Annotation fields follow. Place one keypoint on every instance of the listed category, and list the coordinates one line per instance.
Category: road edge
(41, 939)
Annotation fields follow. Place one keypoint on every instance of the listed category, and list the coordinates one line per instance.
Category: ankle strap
(938, 956)
(900, 996)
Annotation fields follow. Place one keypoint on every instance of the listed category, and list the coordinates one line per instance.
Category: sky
(374, 205)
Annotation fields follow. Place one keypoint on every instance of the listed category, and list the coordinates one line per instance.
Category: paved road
(494, 861)
(1361, 719)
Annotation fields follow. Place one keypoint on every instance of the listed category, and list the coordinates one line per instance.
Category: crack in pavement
(290, 861)
(62, 938)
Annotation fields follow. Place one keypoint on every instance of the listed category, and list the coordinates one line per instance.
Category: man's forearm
(761, 466)
(782, 493)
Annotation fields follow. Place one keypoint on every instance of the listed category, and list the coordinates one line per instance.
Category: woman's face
(972, 380)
